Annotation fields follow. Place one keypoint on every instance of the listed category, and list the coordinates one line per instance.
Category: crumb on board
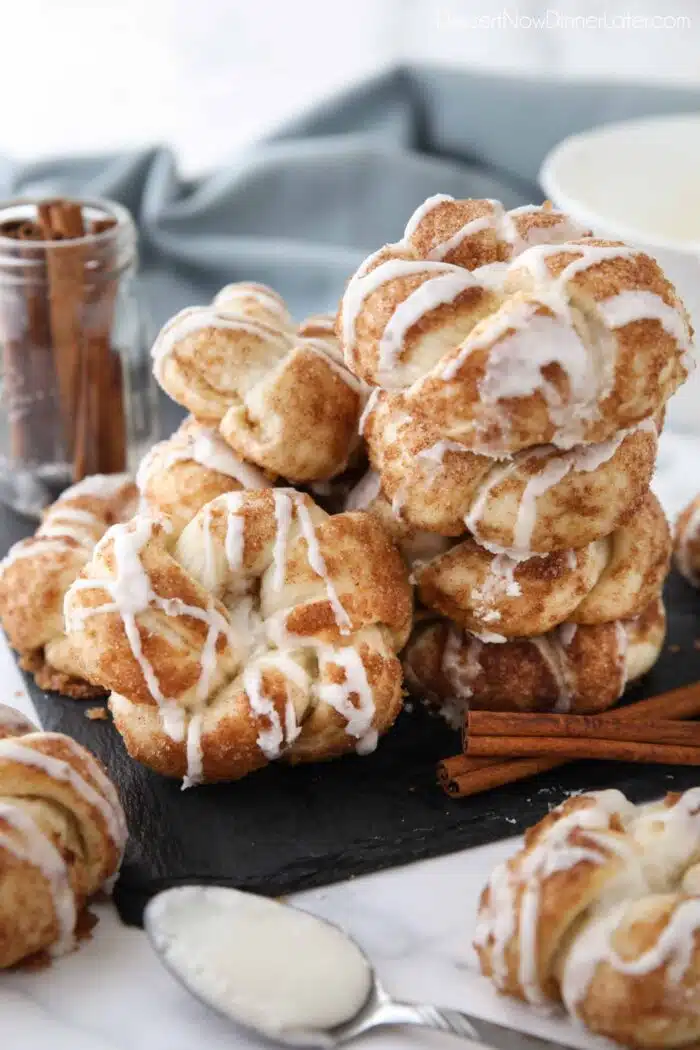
(18, 694)
(96, 714)
(674, 648)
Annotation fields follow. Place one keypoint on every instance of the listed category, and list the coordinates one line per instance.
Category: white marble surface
(416, 924)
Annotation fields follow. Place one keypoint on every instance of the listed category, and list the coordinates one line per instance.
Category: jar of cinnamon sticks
(76, 388)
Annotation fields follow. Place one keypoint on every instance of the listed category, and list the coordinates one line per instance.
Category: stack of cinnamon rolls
(503, 376)
(519, 371)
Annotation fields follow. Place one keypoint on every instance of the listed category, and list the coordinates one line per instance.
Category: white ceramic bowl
(639, 181)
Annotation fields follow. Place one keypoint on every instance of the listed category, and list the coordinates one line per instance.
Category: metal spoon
(378, 1011)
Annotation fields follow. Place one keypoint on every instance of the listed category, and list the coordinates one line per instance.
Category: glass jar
(76, 391)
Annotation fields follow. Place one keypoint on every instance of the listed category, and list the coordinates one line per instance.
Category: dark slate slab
(284, 829)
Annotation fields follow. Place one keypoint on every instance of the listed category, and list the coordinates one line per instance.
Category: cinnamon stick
(462, 779)
(63, 220)
(580, 727)
(578, 747)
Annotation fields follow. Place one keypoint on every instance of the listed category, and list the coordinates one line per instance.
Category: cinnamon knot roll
(595, 911)
(37, 572)
(267, 629)
(281, 397)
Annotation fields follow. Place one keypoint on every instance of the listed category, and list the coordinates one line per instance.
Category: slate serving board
(284, 829)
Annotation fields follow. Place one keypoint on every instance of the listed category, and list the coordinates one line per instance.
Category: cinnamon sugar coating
(37, 572)
(281, 397)
(577, 668)
(596, 911)
(267, 629)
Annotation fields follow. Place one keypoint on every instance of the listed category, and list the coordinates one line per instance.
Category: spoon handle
(445, 1019)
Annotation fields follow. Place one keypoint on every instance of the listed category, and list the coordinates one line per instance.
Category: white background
(208, 76)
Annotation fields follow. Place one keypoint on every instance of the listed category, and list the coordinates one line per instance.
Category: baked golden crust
(192, 467)
(282, 399)
(610, 579)
(265, 629)
(541, 500)
(582, 669)
(62, 834)
(504, 337)
(37, 572)
(567, 861)
(686, 542)
(594, 911)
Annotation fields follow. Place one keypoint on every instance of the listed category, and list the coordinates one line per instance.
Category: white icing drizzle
(688, 537)
(193, 750)
(365, 283)
(622, 642)
(37, 849)
(552, 852)
(321, 349)
(102, 486)
(584, 459)
(567, 633)
(29, 547)
(581, 459)
(59, 769)
(359, 717)
(283, 520)
(642, 305)
(275, 736)
(502, 222)
(436, 291)
(367, 411)
(232, 298)
(234, 543)
(318, 565)
(365, 492)
(461, 667)
(674, 948)
(553, 653)
(202, 446)
(270, 739)
(421, 211)
(499, 584)
(131, 593)
(195, 319)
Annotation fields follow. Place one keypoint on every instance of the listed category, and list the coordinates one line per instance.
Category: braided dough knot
(37, 572)
(282, 399)
(582, 668)
(178, 476)
(266, 629)
(508, 330)
(597, 909)
(62, 834)
(539, 500)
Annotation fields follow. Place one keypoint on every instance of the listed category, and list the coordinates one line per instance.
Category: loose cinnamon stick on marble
(461, 779)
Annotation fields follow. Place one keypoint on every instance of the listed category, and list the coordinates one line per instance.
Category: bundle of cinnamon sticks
(63, 376)
(501, 748)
